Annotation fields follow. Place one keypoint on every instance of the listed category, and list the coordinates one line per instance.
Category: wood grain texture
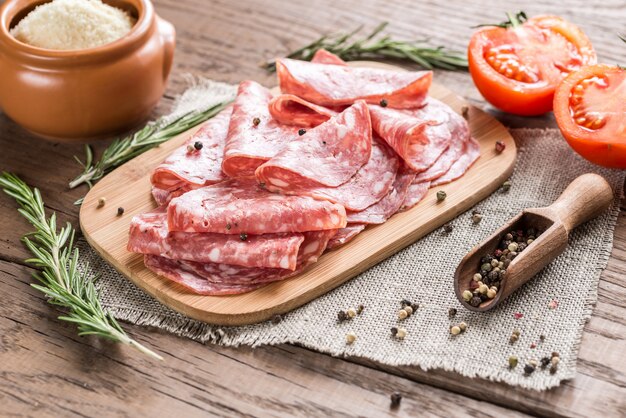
(46, 370)
(108, 233)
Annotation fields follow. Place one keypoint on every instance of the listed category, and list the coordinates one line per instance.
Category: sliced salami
(222, 279)
(149, 235)
(415, 194)
(328, 155)
(419, 136)
(323, 56)
(339, 85)
(253, 135)
(241, 206)
(388, 205)
(293, 110)
(198, 162)
(370, 184)
(469, 157)
(345, 235)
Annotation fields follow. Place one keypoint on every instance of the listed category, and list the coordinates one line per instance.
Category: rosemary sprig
(514, 20)
(376, 48)
(125, 149)
(57, 260)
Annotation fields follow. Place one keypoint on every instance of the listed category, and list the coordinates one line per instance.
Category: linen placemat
(555, 304)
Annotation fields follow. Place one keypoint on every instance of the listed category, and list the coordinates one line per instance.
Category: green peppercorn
(513, 362)
(487, 267)
(506, 186)
(441, 196)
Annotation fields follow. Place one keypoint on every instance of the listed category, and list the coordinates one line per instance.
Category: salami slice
(248, 143)
(345, 235)
(460, 135)
(388, 205)
(241, 206)
(415, 194)
(340, 85)
(198, 162)
(469, 157)
(222, 279)
(419, 136)
(293, 110)
(370, 184)
(323, 56)
(328, 155)
(149, 235)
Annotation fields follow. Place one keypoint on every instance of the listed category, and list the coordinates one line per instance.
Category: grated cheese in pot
(73, 24)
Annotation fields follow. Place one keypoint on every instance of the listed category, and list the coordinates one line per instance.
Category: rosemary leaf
(513, 21)
(59, 278)
(374, 47)
(125, 149)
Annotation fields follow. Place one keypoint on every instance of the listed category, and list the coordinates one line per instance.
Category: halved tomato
(517, 66)
(590, 109)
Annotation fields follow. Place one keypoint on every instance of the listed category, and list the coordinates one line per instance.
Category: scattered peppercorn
(301, 131)
(243, 236)
(256, 121)
(542, 338)
(405, 302)
(463, 326)
(506, 186)
(276, 319)
(342, 316)
(394, 331)
(350, 337)
(475, 301)
(455, 330)
(545, 361)
(476, 218)
(415, 306)
(396, 398)
(513, 362)
(448, 228)
(120, 211)
(190, 148)
(359, 309)
(401, 333)
(402, 314)
(555, 360)
(529, 369)
(383, 103)
(351, 313)
(467, 295)
(452, 312)
(198, 145)
(553, 370)
(441, 196)
(228, 227)
(101, 202)
(408, 310)
(500, 146)
(533, 345)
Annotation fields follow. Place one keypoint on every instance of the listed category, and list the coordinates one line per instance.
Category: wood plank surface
(108, 233)
(45, 370)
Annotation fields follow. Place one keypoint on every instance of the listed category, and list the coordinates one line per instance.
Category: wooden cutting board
(129, 187)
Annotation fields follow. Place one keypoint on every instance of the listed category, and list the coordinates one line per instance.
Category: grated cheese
(73, 24)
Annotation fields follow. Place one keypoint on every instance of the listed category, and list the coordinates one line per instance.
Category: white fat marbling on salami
(328, 155)
(241, 206)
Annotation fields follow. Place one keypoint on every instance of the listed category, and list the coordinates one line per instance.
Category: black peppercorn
(383, 103)
(415, 306)
(394, 331)
(396, 398)
(342, 316)
(553, 370)
(451, 312)
(301, 131)
(120, 211)
(405, 302)
(359, 309)
(529, 369)
(486, 259)
(545, 362)
(493, 275)
(448, 228)
(475, 301)
(243, 236)
(198, 145)
(276, 319)
(256, 121)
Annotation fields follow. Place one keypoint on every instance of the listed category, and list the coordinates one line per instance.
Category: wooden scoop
(585, 198)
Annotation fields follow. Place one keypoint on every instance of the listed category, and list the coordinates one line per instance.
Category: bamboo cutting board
(129, 187)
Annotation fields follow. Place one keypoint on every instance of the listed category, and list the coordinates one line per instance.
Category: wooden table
(46, 370)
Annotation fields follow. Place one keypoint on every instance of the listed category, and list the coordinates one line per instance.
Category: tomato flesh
(590, 109)
(517, 69)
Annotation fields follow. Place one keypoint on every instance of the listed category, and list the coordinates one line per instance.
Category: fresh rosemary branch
(374, 47)
(513, 21)
(124, 149)
(57, 260)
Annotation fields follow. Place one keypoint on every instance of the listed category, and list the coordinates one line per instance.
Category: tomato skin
(510, 95)
(601, 147)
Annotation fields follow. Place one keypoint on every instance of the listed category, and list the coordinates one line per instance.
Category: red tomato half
(590, 109)
(518, 68)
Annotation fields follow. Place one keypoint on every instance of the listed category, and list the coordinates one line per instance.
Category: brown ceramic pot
(82, 94)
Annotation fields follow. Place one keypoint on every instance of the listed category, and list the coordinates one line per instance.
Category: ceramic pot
(81, 94)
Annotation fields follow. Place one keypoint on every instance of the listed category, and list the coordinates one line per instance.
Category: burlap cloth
(423, 273)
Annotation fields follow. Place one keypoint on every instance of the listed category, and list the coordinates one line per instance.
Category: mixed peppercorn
(486, 283)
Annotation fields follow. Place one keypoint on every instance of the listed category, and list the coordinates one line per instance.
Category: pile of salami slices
(269, 184)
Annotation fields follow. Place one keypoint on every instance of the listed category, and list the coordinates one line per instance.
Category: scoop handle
(585, 198)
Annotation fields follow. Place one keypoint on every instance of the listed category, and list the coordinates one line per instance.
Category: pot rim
(133, 39)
